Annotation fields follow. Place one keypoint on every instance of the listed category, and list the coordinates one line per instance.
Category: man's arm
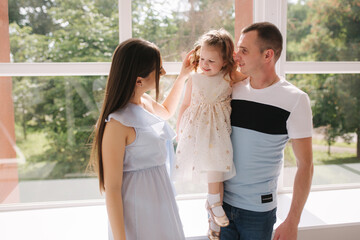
(303, 152)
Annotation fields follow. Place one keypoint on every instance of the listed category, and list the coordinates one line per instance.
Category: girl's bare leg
(214, 188)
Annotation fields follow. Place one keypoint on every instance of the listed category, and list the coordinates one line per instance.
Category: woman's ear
(139, 81)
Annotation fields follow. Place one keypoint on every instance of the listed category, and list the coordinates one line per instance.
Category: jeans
(248, 225)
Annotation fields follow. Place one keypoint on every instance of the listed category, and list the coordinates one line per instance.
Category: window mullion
(125, 20)
(69, 69)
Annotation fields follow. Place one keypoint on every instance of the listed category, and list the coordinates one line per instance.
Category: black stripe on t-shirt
(259, 117)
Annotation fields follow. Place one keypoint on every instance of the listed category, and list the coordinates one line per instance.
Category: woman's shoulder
(125, 115)
(133, 115)
(116, 126)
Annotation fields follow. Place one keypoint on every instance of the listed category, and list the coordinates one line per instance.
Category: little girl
(204, 152)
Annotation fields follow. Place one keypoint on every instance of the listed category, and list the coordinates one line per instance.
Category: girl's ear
(139, 81)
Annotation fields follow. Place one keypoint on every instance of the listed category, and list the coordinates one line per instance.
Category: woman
(129, 147)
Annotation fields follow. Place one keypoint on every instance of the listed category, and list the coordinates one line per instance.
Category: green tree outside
(328, 30)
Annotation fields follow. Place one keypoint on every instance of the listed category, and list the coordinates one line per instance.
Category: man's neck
(263, 80)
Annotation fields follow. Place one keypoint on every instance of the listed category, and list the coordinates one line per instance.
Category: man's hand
(286, 231)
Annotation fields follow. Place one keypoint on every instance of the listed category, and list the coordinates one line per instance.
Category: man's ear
(269, 55)
(139, 81)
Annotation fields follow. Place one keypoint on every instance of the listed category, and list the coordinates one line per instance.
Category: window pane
(63, 30)
(323, 30)
(54, 117)
(335, 100)
(175, 25)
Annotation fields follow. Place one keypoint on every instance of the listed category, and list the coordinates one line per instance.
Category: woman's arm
(168, 107)
(185, 104)
(113, 148)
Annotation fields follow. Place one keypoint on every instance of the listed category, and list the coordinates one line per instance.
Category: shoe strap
(218, 204)
(212, 232)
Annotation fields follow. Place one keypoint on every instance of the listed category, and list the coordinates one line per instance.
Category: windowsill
(324, 209)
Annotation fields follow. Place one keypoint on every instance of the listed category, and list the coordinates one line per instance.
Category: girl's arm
(185, 104)
(113, 149)
(168, 107)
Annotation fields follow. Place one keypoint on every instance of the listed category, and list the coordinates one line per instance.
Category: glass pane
(54, 117)
(175, 25)
(335, 100)
(323, 30)
(63, 30)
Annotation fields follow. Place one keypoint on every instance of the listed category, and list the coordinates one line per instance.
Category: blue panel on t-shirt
(260, 157)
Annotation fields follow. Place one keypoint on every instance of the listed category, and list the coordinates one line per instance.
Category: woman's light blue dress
(150, 210)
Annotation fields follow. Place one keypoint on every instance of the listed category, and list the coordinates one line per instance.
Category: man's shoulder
(283, 94)
(239, 88)
(290, 88)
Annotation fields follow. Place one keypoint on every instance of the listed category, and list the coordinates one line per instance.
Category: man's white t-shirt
(263, 120)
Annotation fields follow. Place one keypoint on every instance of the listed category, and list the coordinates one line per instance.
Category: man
(267, 111)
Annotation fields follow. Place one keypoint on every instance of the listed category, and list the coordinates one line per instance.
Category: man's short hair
(269, 37)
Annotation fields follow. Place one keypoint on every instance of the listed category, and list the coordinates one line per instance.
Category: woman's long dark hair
(131, 59)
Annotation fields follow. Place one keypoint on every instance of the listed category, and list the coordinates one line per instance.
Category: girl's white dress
(204, 151)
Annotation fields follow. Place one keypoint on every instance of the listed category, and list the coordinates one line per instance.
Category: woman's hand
(187, 66)
(168, 108)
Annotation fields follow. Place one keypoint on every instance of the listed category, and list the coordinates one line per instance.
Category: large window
(61, 53)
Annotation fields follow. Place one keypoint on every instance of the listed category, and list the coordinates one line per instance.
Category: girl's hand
(187, 66)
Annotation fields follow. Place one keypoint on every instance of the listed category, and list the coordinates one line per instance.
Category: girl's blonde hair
(222, 40)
